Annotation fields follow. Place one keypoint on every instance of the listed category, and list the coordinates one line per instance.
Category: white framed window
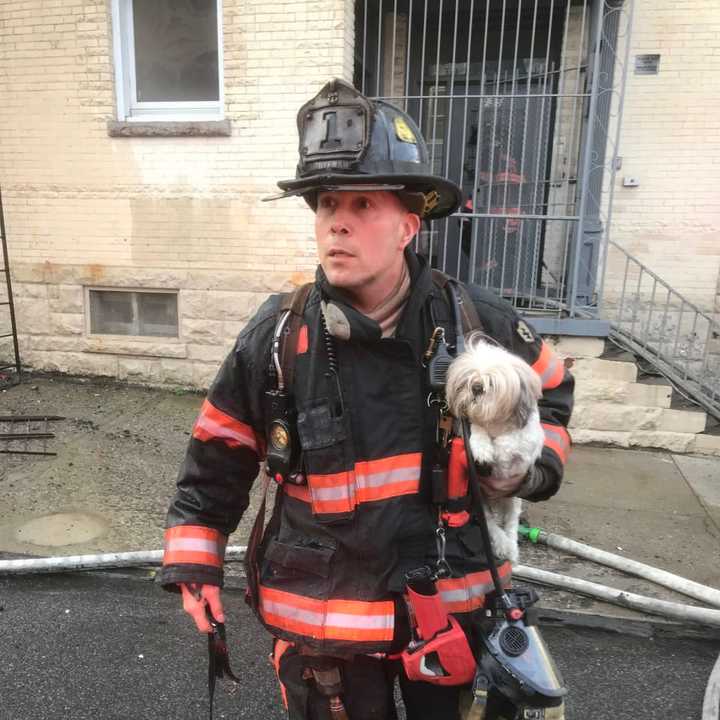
(139, 313)
(168, 59)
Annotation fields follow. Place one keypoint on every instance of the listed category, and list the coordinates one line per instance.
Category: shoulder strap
(293, 304)
(468, 312)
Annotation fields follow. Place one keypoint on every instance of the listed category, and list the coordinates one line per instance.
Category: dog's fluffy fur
(498, 393)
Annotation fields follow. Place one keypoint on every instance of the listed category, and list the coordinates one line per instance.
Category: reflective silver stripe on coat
(387, 477)
(194, 545)
(293, 613)
(342, 492)
(558, 436)
(330, 619)
(360, 622)
(550, 370)
(477, 590)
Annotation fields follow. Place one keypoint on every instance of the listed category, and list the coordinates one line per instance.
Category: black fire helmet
(349, 142)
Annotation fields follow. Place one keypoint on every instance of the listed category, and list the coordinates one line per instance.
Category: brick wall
(83, 208)
(671, 143)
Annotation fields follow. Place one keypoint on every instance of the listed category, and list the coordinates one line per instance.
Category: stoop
(618, 403)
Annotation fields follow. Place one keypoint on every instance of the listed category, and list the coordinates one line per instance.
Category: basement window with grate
(137, 313)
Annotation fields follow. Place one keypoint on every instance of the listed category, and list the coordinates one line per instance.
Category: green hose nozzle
(532, 534)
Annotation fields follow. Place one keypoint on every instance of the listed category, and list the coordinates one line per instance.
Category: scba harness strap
(283, 445)
(292, 308)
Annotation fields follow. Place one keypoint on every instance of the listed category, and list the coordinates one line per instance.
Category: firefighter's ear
(410, 227)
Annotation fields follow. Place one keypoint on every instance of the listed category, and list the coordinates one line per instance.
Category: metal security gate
(520, 102)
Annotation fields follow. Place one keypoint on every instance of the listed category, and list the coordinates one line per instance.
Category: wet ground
(110, 648)
(117, 647)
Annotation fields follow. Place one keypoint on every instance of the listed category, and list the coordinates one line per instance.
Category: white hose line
(711, 701)
(81, 562)
(97, 562)
(704, 616)
(705, 594)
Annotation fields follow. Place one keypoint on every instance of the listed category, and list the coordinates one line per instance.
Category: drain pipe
(705, 594)
(704, 616)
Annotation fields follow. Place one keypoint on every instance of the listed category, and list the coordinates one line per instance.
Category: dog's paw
(504, 548)
(481, 448)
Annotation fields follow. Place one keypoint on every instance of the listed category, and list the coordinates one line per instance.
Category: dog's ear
(527, 402)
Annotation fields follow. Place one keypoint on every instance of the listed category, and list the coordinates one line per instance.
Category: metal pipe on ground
(692, 589)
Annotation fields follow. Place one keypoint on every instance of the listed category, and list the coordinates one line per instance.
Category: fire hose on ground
(705, 594)
(678, 611)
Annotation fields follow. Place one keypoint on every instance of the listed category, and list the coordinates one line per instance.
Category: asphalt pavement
(114, 647)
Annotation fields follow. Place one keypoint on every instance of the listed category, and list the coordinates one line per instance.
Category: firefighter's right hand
(196, 598)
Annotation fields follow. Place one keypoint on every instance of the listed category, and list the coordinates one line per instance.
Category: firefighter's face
(361, 237)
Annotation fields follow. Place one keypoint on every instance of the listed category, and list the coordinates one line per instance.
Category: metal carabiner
(443, 569)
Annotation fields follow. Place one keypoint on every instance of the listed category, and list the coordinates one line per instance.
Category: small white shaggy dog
(498, 392)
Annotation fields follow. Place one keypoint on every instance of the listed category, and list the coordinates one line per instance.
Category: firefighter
(337, 401)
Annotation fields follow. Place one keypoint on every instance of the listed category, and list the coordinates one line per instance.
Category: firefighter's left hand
(495, 487)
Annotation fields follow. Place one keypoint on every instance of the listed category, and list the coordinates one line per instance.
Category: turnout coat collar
(363, 328)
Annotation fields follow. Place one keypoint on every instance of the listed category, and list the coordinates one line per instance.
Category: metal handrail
(651, 319)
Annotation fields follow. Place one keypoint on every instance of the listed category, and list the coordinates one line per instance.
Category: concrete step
(608, 416)
(701, 444)
(596, 368)
(675, 442)
(576, 347)
(707, 444)
(617, 391)
(617, 354)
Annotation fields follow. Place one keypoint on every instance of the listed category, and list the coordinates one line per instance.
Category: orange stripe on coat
(203, 546)
(214, 424)
(302, 341)
(322, 619)
(468, 588)
(369, 481)
(558, 440)
(279, 650)
(549, 367)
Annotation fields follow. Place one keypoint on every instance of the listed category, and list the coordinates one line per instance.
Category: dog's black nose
(477, 389)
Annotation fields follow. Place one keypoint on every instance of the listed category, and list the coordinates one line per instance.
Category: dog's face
(491, 386)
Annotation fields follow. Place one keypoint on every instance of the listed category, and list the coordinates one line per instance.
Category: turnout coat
(335, 553)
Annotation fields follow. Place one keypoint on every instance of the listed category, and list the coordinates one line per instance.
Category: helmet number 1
(331, 135)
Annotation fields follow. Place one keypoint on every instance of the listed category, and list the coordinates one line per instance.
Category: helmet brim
(449, 194)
